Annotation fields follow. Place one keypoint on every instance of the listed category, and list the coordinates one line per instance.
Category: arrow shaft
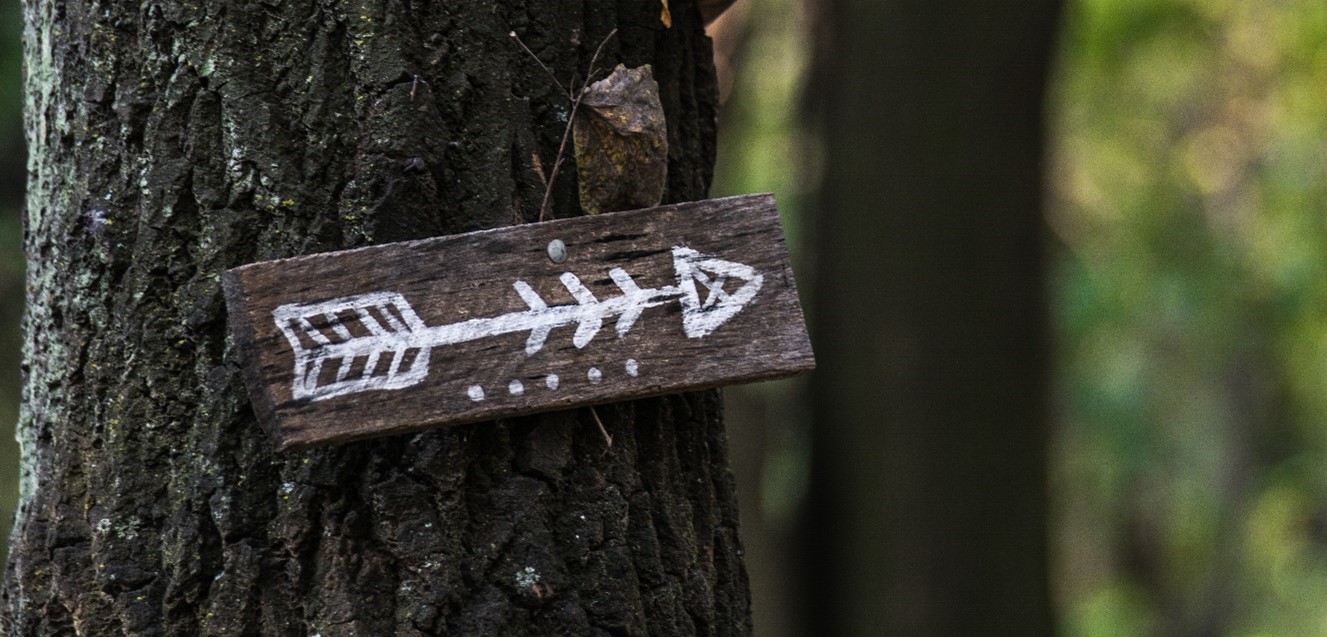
(474, 329)
(394, 329)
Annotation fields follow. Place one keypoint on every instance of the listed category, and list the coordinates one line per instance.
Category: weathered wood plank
(399, 337)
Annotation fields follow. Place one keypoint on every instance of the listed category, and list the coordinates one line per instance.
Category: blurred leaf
(1189, 180)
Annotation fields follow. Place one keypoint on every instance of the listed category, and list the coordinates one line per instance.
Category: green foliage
(1189, 175)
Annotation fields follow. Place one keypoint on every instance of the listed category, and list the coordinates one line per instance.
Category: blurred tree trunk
(929, 496)
(172, 141)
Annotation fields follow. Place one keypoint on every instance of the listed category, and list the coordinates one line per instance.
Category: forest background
(1187, 214)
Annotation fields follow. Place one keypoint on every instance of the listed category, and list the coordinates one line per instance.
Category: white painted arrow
(370, 327)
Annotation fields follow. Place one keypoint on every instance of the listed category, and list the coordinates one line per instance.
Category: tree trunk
(171, 141)
(929, 494)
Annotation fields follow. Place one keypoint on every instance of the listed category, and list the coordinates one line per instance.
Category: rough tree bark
(929, 494)
(173, 140)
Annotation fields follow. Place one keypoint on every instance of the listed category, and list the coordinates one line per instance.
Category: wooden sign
(399, 337)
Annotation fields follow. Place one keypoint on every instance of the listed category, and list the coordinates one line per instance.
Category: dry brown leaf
(621, 142)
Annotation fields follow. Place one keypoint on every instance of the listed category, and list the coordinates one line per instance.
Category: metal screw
(413, 165)
(557, 251)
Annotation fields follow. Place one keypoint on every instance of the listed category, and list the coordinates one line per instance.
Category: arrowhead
(703, 314)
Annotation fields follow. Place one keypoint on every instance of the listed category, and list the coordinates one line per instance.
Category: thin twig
(562, 147)
(566, 133)
(538, 168)
(608, 440)
(595, 58)
(541, 64)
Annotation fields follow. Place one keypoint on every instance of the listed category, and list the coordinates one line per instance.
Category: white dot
(476, 393)
(515, 388)
(594, 375)
(551, 381)
(633, 368)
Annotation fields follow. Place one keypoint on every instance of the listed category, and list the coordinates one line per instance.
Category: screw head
(413, 165)
(557, 251)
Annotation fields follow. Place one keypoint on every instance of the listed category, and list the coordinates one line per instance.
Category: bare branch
(566, 133)
(541, 64)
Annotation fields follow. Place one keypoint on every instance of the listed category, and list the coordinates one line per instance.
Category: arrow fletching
(636, 299)
(588, 324)
(353, 344)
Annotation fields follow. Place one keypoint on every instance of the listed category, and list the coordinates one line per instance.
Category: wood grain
(463, 289)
